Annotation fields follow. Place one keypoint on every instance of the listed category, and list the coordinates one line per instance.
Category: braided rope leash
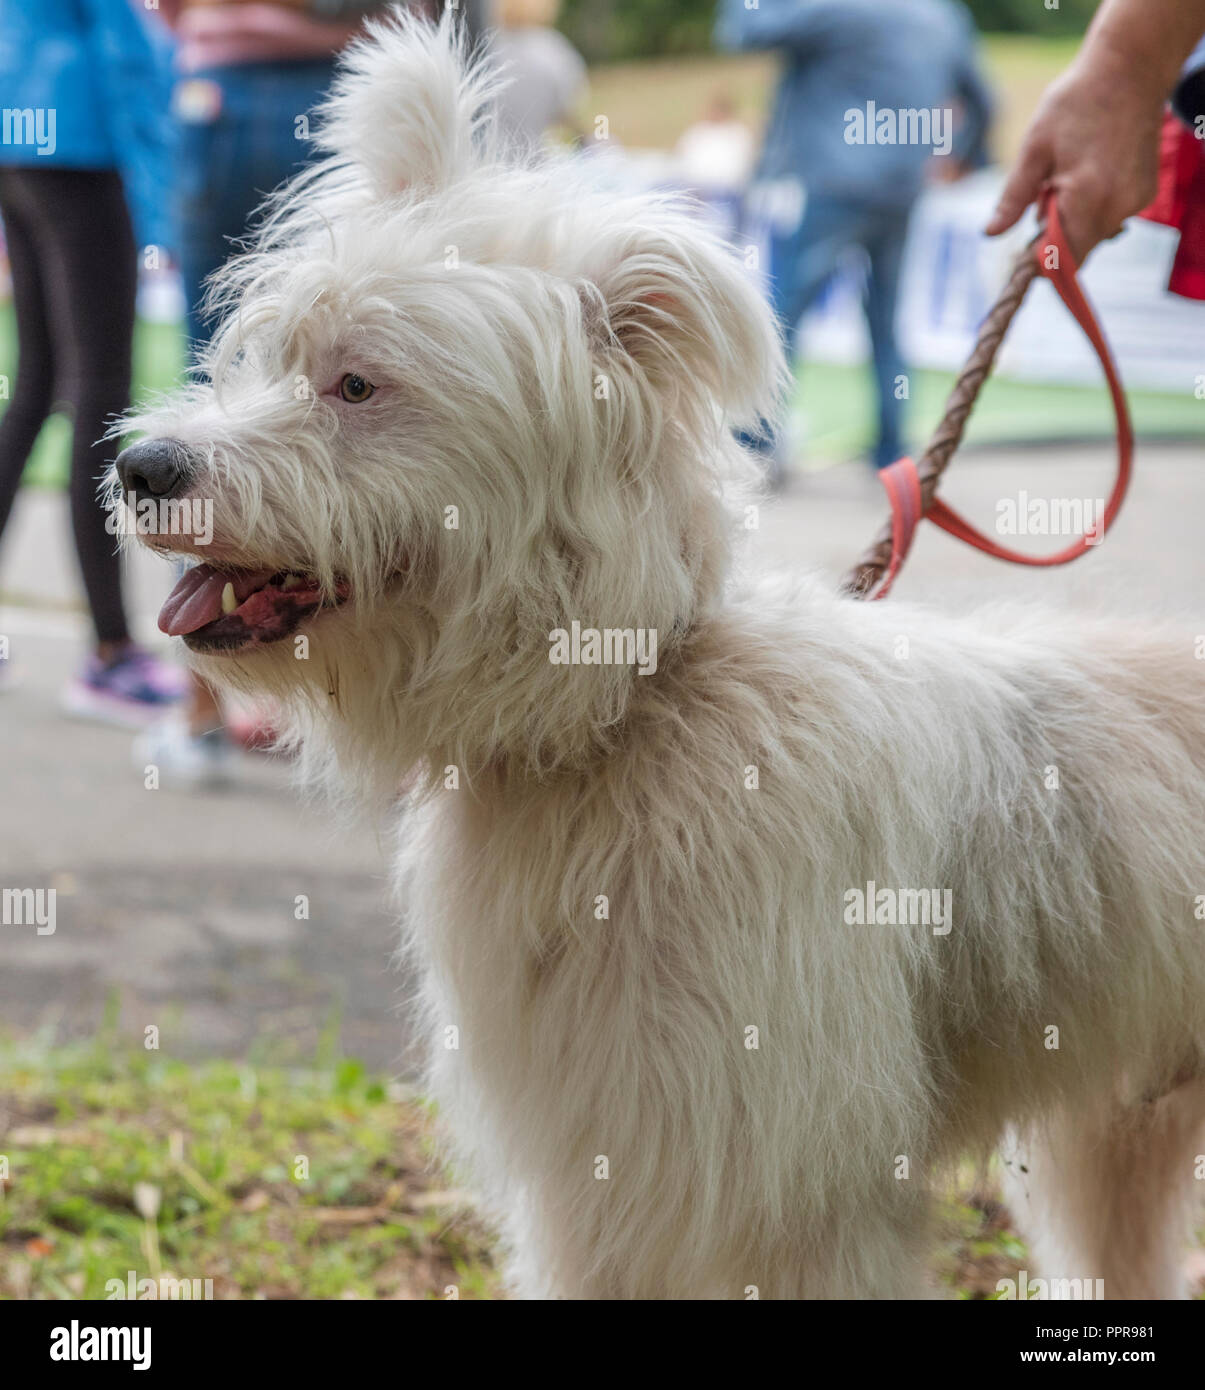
(912, 488)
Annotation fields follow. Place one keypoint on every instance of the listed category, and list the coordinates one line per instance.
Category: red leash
(902, 481)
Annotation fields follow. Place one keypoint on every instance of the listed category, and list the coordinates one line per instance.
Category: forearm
(1144, 42)
(1094, 138)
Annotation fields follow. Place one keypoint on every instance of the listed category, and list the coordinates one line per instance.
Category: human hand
(1095, 140)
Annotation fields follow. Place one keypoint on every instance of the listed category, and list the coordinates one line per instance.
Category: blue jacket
(96, 83)
(839, 55)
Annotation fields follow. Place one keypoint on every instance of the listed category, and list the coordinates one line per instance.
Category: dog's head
(455, 404)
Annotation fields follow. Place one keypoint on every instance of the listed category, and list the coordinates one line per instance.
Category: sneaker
(129, 692)
(185, 759)
(7, 680)
(253, 728)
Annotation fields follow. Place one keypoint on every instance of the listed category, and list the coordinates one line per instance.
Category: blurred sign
(952, 274)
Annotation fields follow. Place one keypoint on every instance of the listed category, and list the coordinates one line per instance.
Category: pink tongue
(197, 598)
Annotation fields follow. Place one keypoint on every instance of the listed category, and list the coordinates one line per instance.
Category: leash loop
(911, 488)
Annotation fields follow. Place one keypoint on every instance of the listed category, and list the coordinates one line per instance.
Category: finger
(1023, 186)
(1087, 211)
(1082, 233)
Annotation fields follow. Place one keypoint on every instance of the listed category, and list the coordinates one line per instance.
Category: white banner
(952, 274)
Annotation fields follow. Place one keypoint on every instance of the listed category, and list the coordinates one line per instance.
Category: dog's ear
(682, 307)
(408, 106)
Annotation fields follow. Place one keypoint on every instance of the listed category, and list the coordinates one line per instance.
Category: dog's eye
(355, 389)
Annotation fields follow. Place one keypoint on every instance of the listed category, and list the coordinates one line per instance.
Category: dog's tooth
(229, 602)
(292, 581)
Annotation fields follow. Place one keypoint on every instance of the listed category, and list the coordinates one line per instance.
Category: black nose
(155, 468)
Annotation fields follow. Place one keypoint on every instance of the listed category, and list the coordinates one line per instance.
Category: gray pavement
(179, 907)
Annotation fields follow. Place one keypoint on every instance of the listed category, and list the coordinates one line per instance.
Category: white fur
(565, 369)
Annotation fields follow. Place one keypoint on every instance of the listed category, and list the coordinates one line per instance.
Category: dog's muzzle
(155, 468)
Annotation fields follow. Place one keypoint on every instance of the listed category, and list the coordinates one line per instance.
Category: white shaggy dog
(457, 407)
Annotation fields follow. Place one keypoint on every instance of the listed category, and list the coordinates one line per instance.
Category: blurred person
(81, 133)
(1094, 138)
(828, 179)
(714, 157)
(248, 77)
(546, 75)
(717, 151)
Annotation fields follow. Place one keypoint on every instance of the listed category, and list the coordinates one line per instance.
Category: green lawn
(837, 404)
(122, 1161)
(114, 1159)
(145, 1164)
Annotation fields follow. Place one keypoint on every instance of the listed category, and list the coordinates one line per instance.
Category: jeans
(243, 130)
(801, 262)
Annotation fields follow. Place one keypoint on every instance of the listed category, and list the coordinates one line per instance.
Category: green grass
(123, 1161)
(838, 409)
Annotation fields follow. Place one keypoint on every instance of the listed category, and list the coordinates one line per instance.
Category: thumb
(1023, 186)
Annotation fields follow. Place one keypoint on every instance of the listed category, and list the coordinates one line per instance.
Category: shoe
(185, 759)
(253, 729)
(130, 692)
(7, 679)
